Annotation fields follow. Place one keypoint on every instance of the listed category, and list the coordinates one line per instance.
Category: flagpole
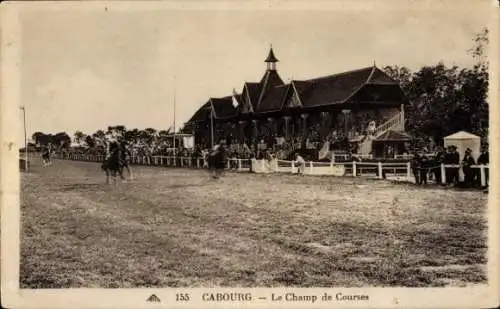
(175, 149)
(25, 140)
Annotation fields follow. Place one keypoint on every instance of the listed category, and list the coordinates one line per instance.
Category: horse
(216, 161)
(112, 165)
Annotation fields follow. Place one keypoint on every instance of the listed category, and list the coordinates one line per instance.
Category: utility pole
(25, 140)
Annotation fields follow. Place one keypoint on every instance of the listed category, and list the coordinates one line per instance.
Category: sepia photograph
(275, 147)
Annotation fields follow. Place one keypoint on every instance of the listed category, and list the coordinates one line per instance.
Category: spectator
(301, 163)
(467, 163)
(484, 159)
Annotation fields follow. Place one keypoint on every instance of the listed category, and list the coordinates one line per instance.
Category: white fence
(382, 170)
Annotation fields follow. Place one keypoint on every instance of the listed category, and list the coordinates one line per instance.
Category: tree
(444, 100)
(62, 140)
(98, 137)
(89, 140)
(79, 137)
(131, 135)
(151, 132)
(38, 137)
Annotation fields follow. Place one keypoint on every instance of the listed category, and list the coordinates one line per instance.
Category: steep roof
(336, 88)
(272, 100)
(271, 93)
(267, 88)
(253, 94)
(223, 107)
(462, 135)
(271, 57)
(201, 114)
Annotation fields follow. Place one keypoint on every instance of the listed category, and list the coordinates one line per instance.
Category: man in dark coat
(423, 168)
(455, 159)
(415, 167)
(467, 162)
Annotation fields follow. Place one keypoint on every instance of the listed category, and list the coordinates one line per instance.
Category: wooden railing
(381, 170)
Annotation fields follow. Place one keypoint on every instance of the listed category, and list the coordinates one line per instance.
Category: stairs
(396, 123)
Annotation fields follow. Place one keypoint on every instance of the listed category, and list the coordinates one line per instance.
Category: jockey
(111, 142)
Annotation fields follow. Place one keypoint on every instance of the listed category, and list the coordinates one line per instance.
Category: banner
(188, 142)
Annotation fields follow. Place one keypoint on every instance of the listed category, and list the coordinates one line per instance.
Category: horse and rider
(217, 160)
(46, 156)
(117, 159)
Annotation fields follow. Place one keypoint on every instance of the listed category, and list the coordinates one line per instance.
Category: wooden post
(408, 171)
(353, 168)
(483, 175)
(380, 170)
(190, 161)
(197, 162)
(293, 166)
(228, 165)
(443, 174)
(239, 164)
(311, 167)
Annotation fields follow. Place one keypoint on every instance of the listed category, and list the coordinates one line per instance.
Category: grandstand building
(362, 106)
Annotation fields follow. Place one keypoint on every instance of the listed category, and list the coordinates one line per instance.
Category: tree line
(444, 100)
(63, 140)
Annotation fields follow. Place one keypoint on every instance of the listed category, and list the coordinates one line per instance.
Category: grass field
(178, 228)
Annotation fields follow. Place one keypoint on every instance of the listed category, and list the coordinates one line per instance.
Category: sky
(87, 69)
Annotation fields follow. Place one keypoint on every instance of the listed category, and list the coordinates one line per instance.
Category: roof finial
(374, 64)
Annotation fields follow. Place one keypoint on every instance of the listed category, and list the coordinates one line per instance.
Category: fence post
(483, 176)
(190, 161)
(228, 165)
(408, 171)
(197, 162)
(380, 176)
(311, 167)
(353, 168)
(443, 174)
(293, 167)
(182, 161)
(239, 165)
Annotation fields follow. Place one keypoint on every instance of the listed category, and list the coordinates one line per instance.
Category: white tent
(463, 140)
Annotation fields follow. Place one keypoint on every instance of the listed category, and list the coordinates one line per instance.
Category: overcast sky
(87, 69)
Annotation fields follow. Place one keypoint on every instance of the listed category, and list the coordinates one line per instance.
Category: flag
(235, 102)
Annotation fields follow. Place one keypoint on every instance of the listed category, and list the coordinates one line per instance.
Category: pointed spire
(271, 57)
(374, 64)
(271, 60)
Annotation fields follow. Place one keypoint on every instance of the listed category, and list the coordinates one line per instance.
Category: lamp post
(25, 140)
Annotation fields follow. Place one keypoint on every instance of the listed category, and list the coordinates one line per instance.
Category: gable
(293, 100)
(245, 106)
